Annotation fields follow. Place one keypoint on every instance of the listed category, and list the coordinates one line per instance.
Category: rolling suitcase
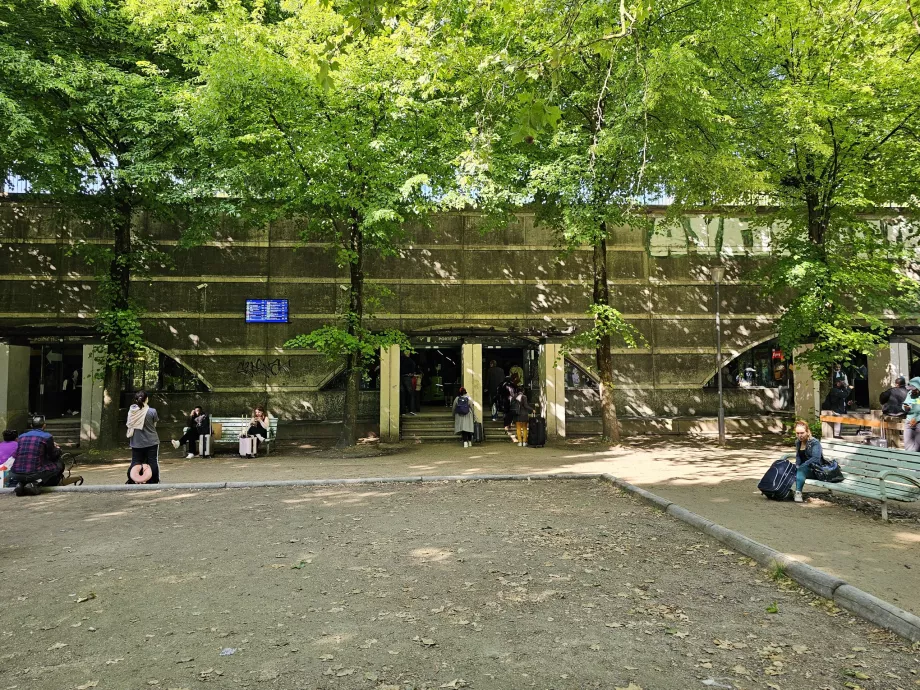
(478, 433)
(248, 447)
(536, 432)
(777, 483)
(204, 446)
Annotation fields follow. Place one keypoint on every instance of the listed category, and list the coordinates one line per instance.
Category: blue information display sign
(266, 311)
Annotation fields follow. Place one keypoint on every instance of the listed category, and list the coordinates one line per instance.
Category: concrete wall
(450, 274)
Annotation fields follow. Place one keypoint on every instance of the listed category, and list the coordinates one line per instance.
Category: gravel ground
(550, 584)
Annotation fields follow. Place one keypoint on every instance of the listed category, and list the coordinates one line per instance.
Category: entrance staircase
(66, 431)
(436, 424)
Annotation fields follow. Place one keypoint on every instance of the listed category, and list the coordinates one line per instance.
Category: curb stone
(856, 601)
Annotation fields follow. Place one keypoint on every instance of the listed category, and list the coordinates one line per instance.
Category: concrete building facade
(454, 289)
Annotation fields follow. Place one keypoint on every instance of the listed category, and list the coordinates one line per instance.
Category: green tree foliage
(586, 113)
(86, 115)
(821, 101)
(337, 116)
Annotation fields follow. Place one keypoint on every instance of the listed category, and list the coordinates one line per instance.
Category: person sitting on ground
(911, 406)
(8, 450)
(259, 424)
(464, 417)
(892, 399)
(144, 442)
(836, 402)
(38, 461)
(198, 425)
(521, 409)
(808, 452)
(508, 390)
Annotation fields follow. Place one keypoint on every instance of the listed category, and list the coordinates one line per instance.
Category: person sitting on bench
(198, 425)
(38, 461)
(259, 424)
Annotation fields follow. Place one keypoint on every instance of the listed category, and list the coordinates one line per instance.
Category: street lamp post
(718, 272)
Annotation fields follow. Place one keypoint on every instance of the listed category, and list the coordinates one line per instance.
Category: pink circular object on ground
(141, 474)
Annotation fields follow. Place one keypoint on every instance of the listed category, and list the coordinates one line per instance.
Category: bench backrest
(232, 427)
(862, 460)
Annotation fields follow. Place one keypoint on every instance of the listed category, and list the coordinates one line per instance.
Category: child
(8, 450)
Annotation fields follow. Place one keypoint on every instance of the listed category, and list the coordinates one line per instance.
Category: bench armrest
(912, 478)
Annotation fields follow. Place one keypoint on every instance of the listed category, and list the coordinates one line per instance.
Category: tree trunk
(120, 286)
(355, 316)
(611, 426)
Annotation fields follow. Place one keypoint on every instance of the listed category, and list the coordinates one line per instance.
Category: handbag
(827, 471)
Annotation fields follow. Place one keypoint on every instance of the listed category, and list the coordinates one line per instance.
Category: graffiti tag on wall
(268, 368)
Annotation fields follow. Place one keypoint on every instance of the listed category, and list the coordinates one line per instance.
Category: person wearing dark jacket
(198, 425)
(893, 398)
(495, 376)
(808, 452)
(836, 402)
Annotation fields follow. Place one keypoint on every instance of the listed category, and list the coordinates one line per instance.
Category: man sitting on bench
(38, 461)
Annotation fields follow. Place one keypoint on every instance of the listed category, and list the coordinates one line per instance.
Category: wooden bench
(872, 472)
(231, 428)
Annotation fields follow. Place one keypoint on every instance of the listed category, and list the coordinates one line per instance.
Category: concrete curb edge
(255, 484)
(862, 604)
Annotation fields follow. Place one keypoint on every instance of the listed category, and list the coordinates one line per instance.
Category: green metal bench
(882, 474)
(233, 427)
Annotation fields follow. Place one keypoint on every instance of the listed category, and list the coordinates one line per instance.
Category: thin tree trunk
(349, 435)
(120, 285)
(611, 426)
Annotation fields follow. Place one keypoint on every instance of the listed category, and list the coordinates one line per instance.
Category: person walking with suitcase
(464, 417)
(521, 409)
(808, 453)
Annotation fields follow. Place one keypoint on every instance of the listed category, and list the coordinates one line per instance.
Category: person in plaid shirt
(38, 460)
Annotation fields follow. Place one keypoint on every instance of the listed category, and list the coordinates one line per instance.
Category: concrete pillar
(472, 375)
(389, 394)
(881, 374)
(807, 392)
(14, 386)
(900, 359)
(552, 389)
(91, 398)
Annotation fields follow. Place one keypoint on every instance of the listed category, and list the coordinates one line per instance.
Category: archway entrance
(422, 385)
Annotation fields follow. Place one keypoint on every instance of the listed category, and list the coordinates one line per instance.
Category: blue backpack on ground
(777, 483)
(463, 405)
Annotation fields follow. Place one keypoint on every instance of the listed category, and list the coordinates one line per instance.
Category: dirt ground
(550, 584)
(841, 537)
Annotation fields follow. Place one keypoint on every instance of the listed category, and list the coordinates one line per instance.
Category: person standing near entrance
(494, 378)
(516, 370)
(521, 409)
(407, 371)
(508, 390)
(464, 417)
(144, 440)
